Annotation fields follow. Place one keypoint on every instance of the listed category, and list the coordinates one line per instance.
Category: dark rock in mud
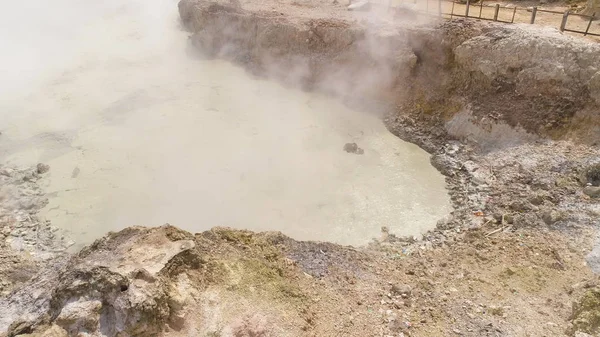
(42, 168)
(353, 148)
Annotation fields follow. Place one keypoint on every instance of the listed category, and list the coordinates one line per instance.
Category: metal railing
(591, 18)
(451, 8)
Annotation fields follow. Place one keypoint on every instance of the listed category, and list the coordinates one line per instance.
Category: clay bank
(515, 138)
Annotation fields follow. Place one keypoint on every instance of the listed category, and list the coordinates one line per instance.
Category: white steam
(136, 132)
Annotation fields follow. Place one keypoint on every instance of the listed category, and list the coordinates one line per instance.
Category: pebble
(592, 191)
(353, 148)
(8, 172)
(6, 230)
(403, 290)
(551, 216)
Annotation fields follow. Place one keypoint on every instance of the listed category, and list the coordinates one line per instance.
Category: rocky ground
(512, 259)
(515, 247)
(25, 240)
(532, 208)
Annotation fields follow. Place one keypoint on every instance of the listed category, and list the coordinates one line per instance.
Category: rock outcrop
(25, 239)
(532, 79)
(536, 60)
(149, 282)
(115, 287)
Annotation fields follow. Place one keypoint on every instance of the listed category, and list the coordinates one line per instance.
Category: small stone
(42, 168)
(497, 216)
(353, 148)
(563, 182)
(403, 290)
(84, 314)
(551, 216)
(496, 310)
(6, 172)
(75, 172)
(6, 230)
(592, 191)
(537, 200)
(520, 206)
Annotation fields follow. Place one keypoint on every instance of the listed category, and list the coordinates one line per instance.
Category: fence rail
(452, 8)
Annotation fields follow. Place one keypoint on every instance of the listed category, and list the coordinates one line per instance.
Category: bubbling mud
(137, 132)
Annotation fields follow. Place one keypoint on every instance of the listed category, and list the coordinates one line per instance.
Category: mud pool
(138, 132)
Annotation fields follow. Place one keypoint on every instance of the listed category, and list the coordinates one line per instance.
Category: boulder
(119, 279)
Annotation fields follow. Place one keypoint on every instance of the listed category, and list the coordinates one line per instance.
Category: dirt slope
(165, 281)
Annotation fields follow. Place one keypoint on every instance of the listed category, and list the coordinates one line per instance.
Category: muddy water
(138, 133)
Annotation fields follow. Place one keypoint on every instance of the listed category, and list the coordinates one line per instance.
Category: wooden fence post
(533, 13)
(452, 10)
(467, 9)
(480, 7)
(563, 23)
(514, 12)
(589, 24)
(496, 10)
